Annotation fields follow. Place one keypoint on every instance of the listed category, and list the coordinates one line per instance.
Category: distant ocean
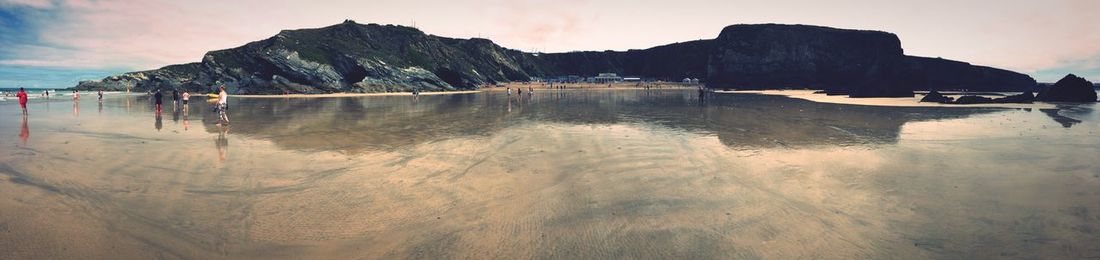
(10, 92)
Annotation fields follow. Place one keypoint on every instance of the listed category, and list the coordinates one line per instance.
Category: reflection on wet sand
(1067, 122)
(750, 121)
(560, 174)
(24, 131)
(222, 143)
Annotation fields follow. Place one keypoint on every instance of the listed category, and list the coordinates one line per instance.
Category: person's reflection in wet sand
(25, 131)
(76, 107)
(100, 107)
(222, 143)
(509, 105)
(176, 116)
(186, 123)
(159, 124)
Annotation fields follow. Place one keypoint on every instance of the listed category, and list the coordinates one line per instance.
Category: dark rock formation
(347, 57)
(1026, 97)
(971, 99)
(671, 62)
(1069, 89)
(942, 74)
(860, 63)
(936, 97)
(351, 57)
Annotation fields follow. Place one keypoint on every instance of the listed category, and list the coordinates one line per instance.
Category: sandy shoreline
(799, 94)
(890, 102)
(501, 87)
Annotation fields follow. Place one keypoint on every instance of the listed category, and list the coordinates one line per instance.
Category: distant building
(565, 79)
(632, 79)
(690, 81)
(606, 78)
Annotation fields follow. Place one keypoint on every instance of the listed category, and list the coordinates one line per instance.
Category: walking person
(223, 105)
(100, 96)
(157, 97)
(22, 100)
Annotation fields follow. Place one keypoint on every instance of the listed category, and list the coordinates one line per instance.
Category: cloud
(39, 77)
(38, 4)
(533, 23)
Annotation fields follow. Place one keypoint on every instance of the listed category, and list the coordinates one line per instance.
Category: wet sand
(567, 174)
(332, 95)
(890, 102)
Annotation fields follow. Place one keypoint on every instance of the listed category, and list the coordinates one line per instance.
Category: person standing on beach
(76, 95)
(100, 95)
(22, 100)
(186, 98)
(223, 104)
(509, 91)
(157, 99)
(175, 99)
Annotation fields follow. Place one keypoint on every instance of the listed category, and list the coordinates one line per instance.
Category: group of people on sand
(185, 98)
(157, 96)
(519, 91)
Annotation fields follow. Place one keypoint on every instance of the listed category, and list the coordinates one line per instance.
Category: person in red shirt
(22, 100)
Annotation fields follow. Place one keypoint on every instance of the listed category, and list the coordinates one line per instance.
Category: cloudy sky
(55, 43)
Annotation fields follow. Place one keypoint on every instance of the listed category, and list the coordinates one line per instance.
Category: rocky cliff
(861, 63)
(351, 57)
(943, 74)
(671, 62)
(347, 57)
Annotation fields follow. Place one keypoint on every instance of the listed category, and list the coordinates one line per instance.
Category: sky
(56, 43)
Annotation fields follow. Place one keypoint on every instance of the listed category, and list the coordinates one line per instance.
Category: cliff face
(352, 57)
(669, 62)
(795, 56)
(347, 57)
(942, 74)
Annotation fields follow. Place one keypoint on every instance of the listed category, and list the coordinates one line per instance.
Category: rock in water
(1069, 89)
(968, 100)
(1025, 98)
(936, 97)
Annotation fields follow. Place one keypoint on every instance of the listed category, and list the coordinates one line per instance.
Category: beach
(562, 174)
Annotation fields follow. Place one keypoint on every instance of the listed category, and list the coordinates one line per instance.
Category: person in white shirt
(223, 104)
